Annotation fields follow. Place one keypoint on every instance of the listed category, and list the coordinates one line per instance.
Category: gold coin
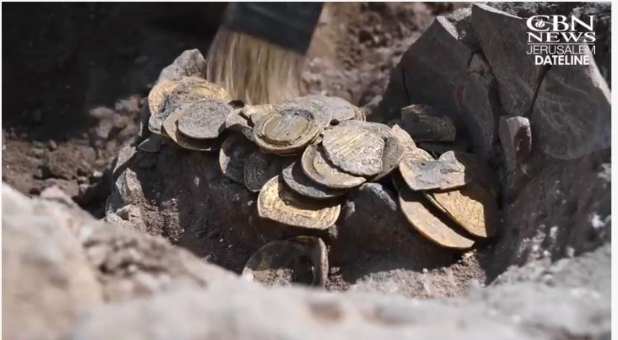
(167, 95)
(156, 104)
(196, 88)
(354, 150)
(170, 129)
(261, 167)
(203, 119)
(278, 203)
(303, 259)
(158, 95)
(285, 132)
(320, 170)
(232, 156)
(393, 150)
(472, 207)
(428, 221)
(444, 173)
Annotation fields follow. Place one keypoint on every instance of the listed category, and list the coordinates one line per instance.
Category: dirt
(357, 44)
(89, 104)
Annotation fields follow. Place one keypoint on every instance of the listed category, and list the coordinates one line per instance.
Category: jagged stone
(188, 63)
(503, 39)
(516, 140)
(571, 116)
(425, 124)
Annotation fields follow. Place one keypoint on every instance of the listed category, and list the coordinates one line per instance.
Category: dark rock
(188, 63)
(478, 106)
(572, 112)
(425, 124)
(516, 140)
(562, 211)
(371, 223)
(503, 39)
(434, 65)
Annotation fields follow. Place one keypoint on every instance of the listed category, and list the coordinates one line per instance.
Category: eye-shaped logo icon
(539, 23)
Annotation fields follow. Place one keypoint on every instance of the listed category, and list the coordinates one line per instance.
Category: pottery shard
(278, 203)
(516, 140)
(354, 150)
(572, 112)
(425, 124)
(502, 37)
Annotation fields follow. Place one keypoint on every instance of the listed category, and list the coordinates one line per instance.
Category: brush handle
(289, 25)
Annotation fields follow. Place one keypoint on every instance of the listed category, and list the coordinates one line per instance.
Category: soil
(98, 61)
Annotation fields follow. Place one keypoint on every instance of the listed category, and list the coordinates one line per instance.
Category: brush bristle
(252, 69)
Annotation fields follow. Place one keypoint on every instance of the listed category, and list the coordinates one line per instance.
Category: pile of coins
(304, 155)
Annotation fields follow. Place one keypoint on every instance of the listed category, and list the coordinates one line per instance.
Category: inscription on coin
(354, 150)
(472, 207)
(203, 119)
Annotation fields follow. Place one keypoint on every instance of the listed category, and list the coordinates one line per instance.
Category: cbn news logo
(561, 39)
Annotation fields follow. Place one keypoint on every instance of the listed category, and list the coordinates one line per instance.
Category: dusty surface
(170, 294)
(157, 268)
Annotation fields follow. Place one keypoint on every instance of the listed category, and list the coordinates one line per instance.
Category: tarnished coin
(393, 149)
(410, 150)
(234, 152)
(472, 207)
(278, 203)
(254, 113)
(354, 150)
(157, 98)
(430, 222)
(203, 119)
(319, 169)
(286, 131)
(444, 173)
(261, 167)
(327, 110)
(208, 145)
(296, 180)
(190, 89)
(170, 129)
(167, 95)
(158, 95)
(235, 121)
(302, 259)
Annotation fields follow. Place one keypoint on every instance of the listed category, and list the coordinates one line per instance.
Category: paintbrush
(258, 51)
